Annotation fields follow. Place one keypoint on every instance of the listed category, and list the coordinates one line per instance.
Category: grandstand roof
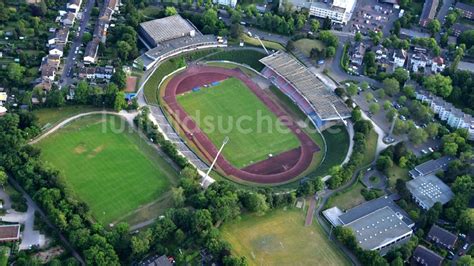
(167, 28)
(324, 101)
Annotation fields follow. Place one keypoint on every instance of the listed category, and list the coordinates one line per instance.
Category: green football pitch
(231, 109)
(280, 238)
(107, 165)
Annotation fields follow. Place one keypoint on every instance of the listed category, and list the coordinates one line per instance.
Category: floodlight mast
(342, 119)
(264, 48)
(226, 139)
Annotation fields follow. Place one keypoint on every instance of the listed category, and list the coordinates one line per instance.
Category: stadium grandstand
(304, 89)
(171, 134)
(169, 36)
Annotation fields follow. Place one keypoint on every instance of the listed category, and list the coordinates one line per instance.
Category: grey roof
(429, 189)
(371, 206)
(167, 28)
(332, 215)
(414, 33)
(429, 9)
(424, 256)
(323, 101)
(431, 166)
(379, 228)
(442, 236)
(465, 7)
(156, 261)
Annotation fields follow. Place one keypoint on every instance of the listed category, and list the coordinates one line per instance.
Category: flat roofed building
(380, 229)
(442, 237)
(164, 29)
(339, 11)
(431, 166)
(426, 257)
(9, 232)
(326, 105)
(429, 189)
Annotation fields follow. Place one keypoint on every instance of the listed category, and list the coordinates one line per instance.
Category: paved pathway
(310, 213)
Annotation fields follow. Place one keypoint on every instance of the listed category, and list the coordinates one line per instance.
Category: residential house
(68, 19)
(3, 97)
(104, 72)
(87, 73)
(90, 54)
(426, 257)
(399, 58)
(418, 61)
(380, 52)
(358, 54)
(437, 64)
(442, 237)
(410, 34)
(231, 3)
(3, 110)
(57, 50)
(466, 10)
(430, 167)
(74, 5)
(429, 12)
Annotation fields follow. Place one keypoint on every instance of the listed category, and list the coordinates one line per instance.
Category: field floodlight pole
(264, 48)
(226, 139)
(342, 119)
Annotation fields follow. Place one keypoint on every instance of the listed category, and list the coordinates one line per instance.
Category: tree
(119, 78)
(123, 49)
(467, 38)
(384, 163)
(358, 37)
(81, 92)
(434, 26)
(387, 104)
(255, 202)
(465, 260)
(141, 243)
(432, 130)
(15, 72)
(330, 51)
(178, 196)
(391, 86)
(356, 114)
(466, 220)
(328, 38)
(364, 85)
(439, 84)
(401, 74)
(450, 148)
(3, 177)
(352, 89)
(86, 37)
(327, 23)
(417, 135)
(369, 97)
(119, 102)
(314, 25)
(374, 108)
(170, 11)
(236, 30)
(409, 91)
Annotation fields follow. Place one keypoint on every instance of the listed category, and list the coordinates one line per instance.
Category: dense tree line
(342, 174)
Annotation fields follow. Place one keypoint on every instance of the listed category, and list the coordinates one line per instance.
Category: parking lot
(369, 15)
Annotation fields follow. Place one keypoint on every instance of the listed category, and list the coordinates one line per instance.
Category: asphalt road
(77, 41)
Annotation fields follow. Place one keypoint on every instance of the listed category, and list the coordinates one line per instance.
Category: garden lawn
(337, 141)
(280, 238)
(243, 56)
(218, 111)
(306, 45)
(347, 198)
(113, 171)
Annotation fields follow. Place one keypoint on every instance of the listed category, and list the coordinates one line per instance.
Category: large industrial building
(339, 11)
(164, 29)
(301, 85)
(378, 224)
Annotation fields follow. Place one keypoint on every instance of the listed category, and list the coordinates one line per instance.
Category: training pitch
(107, 165)
(234, 111)
(280, 238)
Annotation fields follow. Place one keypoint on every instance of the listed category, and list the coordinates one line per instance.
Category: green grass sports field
(220, 109)
(113, 171)
(280, 238)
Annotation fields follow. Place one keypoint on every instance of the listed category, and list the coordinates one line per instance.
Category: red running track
(196, 76)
